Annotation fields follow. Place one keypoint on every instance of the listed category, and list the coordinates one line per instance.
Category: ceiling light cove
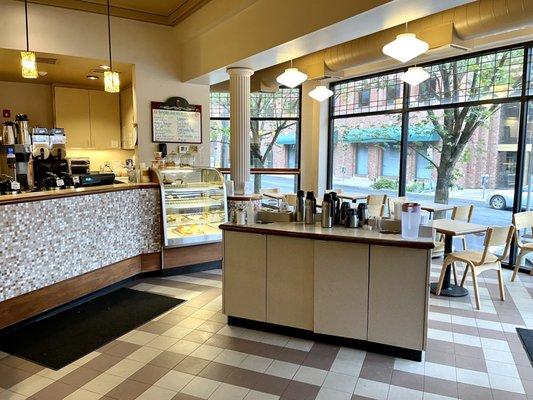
(291, 77)
(405, 47)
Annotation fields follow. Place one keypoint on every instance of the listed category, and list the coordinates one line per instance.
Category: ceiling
(61, 69)
(164, 12)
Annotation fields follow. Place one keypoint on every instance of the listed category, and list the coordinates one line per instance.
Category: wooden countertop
(55, 194)
(337, 233)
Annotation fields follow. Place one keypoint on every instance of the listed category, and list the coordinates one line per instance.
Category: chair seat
(473, 256)
(528, 246)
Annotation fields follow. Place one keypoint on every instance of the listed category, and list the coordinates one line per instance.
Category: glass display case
(193, 205)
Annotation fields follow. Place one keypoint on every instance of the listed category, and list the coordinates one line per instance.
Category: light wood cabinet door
(341, 289)
(105, 119)
(71, 108)
(290, 281)
(398, 296)
(244, 275)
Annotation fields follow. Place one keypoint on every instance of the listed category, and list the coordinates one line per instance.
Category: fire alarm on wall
(6, 113)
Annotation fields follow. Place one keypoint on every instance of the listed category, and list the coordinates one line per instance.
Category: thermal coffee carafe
(8, 133)
(345, 207)
(351, 219)
(310, 208)
(23, 129)
(362, 213)
(300, 206)
(327, 211)
(336, 201)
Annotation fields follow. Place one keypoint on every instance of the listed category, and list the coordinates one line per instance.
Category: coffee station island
(329, 283)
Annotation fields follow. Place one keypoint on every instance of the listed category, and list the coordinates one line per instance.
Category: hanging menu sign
(176, 121)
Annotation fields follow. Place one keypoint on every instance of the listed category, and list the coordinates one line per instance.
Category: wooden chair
(391, 201)
(522, 220)
(479, 261)
(376, 204)
(463, 213)
(291, 199)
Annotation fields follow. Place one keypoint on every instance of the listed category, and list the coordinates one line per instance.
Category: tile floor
(190, 353)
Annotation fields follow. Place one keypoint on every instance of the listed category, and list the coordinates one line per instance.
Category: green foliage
(415, 187)
(385, 183)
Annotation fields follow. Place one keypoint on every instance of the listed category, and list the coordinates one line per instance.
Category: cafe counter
(354, 287)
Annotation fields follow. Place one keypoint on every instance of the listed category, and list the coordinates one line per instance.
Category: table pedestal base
(451, 291)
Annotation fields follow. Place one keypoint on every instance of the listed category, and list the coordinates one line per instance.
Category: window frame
(522, 99)
(298, 146)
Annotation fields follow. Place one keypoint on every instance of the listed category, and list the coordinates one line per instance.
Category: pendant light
(321, 93)
(28, 61)
(405, 47)
(292, 77)
(414, 76)
(111, 78)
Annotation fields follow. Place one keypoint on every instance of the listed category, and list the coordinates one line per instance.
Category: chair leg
(463, 239)
(441, 277)
(464, 276)
(476, 290)
(517, 265)
(500, 281)
(454, 273)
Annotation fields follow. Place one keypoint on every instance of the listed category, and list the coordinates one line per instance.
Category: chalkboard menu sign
(176, 121)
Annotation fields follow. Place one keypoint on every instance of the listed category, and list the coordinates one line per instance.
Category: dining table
(450, 228)
(435, 207)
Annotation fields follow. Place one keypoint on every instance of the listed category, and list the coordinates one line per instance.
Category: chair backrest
(338, 191)
(463, 213)
(394, 200)
(498, 236)
(270, 190)
(376, 210)
(291, 199)
(522, 220)
(376, 199)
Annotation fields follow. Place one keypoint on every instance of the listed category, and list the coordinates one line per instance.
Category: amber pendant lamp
(28, 61)
(111, 77)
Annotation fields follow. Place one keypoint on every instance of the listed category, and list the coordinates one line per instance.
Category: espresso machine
(50, 165)
(16, 162)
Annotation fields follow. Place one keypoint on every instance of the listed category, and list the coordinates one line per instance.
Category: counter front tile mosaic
(48, 241)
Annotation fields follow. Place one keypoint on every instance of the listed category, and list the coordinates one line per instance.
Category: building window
(274, 128)
(423, 165)
(361, 159)
(390, 159)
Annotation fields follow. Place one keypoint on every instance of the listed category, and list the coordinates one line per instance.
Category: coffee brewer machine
(49, 159)
(16, 163)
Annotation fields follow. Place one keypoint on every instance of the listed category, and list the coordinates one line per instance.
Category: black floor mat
(62, 338)
(526, 336)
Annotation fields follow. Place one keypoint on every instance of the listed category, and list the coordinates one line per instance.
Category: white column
(239, 89)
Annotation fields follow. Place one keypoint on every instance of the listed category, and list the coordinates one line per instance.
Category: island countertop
(337, 233)
(54, 194)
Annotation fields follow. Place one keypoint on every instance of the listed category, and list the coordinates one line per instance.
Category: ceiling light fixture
(291, 77)
(414, 76)
(321, 93)
(111, 78)
(104, 67)
(405, 47)
(92, 77)
(28, 61)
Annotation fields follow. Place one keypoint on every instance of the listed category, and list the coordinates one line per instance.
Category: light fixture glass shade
(291, 77)
(405, 47)
(414, 76)
(29, 65)
(320, 93)
(111, 82)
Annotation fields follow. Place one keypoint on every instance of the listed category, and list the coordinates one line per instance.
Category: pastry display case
(193, 205)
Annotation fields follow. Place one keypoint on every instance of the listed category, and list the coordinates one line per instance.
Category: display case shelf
(194, 205)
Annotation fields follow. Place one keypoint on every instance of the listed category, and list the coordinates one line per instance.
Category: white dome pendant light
(405, 47)
(320, 93)
(415, 76)
(292, 77)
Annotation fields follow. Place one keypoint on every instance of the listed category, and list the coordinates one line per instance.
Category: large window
(274, 137)
(459, 133)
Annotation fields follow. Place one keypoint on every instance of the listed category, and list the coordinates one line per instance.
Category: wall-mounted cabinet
(91, 118)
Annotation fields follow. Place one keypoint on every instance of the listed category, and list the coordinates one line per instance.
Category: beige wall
(31, 99)
(150, 47)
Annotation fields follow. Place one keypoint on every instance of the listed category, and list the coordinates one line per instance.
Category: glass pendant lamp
(28, 60)
(111, 77)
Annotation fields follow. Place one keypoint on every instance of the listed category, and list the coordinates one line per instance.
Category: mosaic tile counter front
(48, 241)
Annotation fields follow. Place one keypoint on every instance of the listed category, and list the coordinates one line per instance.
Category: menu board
(176, 121)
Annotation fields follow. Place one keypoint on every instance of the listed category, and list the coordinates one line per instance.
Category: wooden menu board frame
(181, 108)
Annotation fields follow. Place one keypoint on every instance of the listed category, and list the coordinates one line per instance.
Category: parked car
(501, 199)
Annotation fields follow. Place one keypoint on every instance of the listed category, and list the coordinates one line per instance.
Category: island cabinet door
(341, 289)
(244, 275)
(290, 281)
(398, 296)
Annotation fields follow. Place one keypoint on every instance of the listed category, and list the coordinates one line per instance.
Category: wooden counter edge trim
(20, 308)
(16, 199)
(335, 238)
(394, 351)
